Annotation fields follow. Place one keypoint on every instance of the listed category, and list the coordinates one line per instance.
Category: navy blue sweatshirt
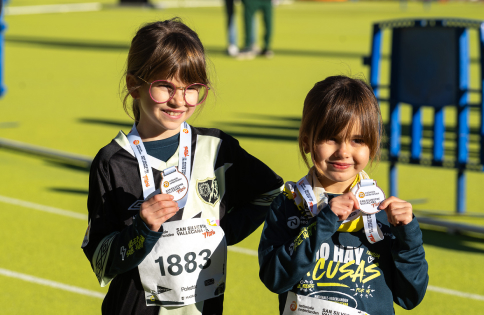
(310, 257)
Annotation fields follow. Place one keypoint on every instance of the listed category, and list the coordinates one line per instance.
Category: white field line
(36, 206)
(50, 283)
(198, 3)
(54, 8)
(76, 215)
(456, 293)
(241, 250)
(96, 6)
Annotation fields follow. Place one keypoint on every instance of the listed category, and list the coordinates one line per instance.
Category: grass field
(63, 71)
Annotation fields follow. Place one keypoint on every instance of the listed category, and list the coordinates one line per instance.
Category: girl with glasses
(166, 199)
(326, 247)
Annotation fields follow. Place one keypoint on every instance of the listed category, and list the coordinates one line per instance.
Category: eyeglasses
(162, 91)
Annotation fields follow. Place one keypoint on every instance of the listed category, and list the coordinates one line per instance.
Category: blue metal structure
(430, 67)
(3, 27)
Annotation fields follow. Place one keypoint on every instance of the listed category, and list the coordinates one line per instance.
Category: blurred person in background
(250, 9)
(233, 47)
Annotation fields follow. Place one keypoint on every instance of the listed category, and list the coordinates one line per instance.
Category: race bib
(304, 305)
(186, 265)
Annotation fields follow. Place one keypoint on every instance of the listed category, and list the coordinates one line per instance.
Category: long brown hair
(168, 48)
(336, 105)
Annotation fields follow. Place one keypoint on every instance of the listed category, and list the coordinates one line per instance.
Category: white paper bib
(304, 305)
(186, 265)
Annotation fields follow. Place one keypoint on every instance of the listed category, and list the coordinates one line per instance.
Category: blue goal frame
(403, 32)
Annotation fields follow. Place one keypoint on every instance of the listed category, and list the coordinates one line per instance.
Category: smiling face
(160, 121)
(341, 127)
(339, 159)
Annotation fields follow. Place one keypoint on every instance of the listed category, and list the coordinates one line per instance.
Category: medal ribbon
(307, 193)
(372, 230)
(146, 173)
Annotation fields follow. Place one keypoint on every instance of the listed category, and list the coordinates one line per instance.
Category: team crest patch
(207, 190)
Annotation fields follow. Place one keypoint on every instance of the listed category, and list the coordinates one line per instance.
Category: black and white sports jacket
(245, 188)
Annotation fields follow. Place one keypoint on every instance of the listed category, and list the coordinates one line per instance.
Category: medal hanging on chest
(369, 197)
(174, 183)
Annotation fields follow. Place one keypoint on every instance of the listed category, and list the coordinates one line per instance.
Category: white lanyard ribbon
(146, 173)
(372, 230)
(307, 193)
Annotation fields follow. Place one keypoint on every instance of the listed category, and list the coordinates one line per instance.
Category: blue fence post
(481, 41)
(439, 136)
(375, 59)
(395, 131)
(395, 125)
(462, 119)
(416, 134)
(3, 26)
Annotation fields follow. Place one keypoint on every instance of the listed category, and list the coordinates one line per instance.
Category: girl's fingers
(356, 204)
(385, 203)
(343, 205)
(157, 198)
(399, 212)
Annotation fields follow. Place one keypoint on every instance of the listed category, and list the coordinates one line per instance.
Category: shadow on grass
(458, 242)
(69, 190)
(79, 44)
(221, 51)
(68, 165)
(107, 122)
(272, 126)
(76, 44)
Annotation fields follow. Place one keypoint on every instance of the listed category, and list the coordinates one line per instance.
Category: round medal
(174, 183)
(369, 198)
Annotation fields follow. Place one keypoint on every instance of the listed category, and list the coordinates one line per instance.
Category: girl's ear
(306, 146)
(132, 84)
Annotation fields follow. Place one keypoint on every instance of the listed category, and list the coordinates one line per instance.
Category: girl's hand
(343, 205)
(399, 212)
(156, 210)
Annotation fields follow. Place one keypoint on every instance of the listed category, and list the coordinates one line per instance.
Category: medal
(174, 183)
(369, 197)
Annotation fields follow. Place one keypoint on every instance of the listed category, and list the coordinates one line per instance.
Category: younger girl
(318, 250)
(166, 199)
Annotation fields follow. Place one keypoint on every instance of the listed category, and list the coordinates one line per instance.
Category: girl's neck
(152, 133)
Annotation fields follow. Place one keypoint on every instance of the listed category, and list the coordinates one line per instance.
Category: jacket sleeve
(243, 221)
(285, 255)
(411, 276)
(250, 187)
(113, 244)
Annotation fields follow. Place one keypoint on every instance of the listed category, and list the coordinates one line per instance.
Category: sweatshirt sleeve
(411, 276)
(250, 188)
(286, 254)
(113, 244)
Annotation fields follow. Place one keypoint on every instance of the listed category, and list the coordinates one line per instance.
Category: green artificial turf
(63, 71)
